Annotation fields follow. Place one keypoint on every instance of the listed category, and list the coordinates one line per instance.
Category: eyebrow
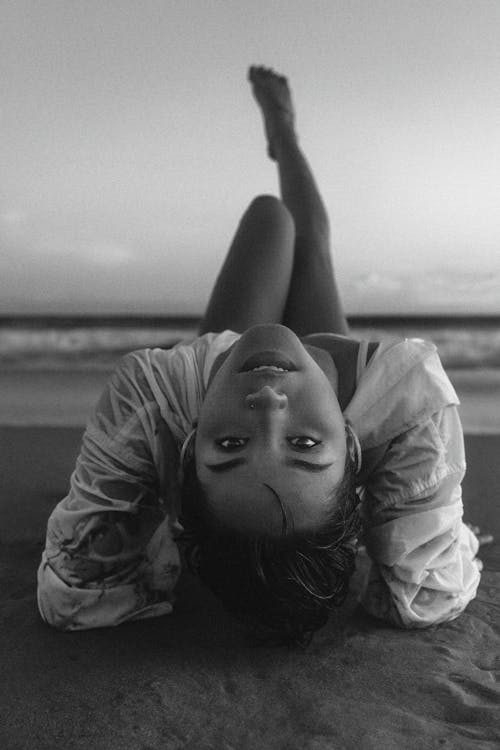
(294, 462)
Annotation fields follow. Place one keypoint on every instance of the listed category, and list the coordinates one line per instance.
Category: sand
(190, 680)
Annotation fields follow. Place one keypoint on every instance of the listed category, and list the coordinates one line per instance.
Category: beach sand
(190, 680)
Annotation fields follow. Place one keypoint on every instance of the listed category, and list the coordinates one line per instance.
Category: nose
(267, 399)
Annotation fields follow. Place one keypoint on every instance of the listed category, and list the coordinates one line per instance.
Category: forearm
(434, 596)
(72, 608)
(108, 584)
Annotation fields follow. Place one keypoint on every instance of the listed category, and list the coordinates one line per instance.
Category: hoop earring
(186, 454)
(354, 447)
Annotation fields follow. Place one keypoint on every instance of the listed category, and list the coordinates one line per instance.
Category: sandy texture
(191, 681)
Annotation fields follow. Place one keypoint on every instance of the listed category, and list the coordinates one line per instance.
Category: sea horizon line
(191, 320)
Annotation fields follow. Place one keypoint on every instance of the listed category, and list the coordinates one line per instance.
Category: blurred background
(130, 145)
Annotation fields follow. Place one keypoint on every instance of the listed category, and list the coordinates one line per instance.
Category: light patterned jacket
(111, 554)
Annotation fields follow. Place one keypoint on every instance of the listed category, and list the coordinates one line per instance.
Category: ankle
(284, 143)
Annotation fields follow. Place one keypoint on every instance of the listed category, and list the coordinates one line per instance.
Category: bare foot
(275, 101)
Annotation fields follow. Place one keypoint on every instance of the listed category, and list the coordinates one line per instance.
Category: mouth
(268, 362)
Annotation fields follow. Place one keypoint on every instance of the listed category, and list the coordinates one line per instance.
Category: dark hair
(282, 588)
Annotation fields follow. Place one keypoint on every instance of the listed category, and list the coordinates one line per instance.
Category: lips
(268, 359)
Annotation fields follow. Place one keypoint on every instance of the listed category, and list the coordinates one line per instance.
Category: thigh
(252, 286)
(314, 304)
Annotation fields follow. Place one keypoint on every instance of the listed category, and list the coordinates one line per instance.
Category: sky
(130, 145)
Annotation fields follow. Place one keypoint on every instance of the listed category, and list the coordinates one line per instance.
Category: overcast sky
(130, 144)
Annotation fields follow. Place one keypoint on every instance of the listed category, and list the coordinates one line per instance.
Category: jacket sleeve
(110, 555)
(424, 569)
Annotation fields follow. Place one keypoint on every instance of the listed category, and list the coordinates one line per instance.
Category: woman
(255, 436)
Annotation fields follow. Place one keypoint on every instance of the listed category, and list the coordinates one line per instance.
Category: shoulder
(190, 357)
(338, 346)
(347, 356)
(171, 382)
(196, 356)
(404, 384)
(331, 342)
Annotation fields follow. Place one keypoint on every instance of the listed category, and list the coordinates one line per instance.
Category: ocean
(52, 369)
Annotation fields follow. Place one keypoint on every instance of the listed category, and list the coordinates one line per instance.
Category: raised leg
(252, 286)
(313, 304)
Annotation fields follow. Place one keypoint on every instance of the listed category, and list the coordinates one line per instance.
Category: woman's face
(270, 425)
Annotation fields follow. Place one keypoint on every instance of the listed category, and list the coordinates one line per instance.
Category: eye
(302, 442)
(231, 443)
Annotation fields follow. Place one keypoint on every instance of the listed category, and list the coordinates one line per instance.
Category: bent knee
(269, 207)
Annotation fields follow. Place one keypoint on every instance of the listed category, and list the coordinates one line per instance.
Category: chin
(269, 335)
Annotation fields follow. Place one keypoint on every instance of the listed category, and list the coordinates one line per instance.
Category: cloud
(25, 240)
(437, 290)
(373, 281)
(106, 253)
